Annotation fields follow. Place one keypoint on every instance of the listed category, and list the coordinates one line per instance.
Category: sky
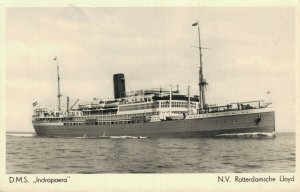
(251, 52)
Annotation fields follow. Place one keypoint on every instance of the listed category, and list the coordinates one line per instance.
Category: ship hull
(200, 127)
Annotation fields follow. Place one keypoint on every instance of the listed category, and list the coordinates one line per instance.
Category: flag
(55, 58)
(195, 24)
(34, 104)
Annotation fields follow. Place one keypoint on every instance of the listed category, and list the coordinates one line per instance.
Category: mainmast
(58, 85)
(202, 81)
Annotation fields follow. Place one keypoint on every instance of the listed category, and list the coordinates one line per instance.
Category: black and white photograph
(150, 91)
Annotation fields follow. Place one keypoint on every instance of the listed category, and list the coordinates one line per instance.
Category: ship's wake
(113, 137)
(127, 137)
(21, 134)
(255, 135)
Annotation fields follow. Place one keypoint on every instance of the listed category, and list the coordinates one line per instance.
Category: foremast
(202, 82)
(58, 85)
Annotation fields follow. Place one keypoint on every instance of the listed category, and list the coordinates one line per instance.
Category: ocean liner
(152, 113)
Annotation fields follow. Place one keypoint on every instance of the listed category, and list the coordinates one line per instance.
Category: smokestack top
(118, 74)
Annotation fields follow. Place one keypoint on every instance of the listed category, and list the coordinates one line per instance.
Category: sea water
(28, 153)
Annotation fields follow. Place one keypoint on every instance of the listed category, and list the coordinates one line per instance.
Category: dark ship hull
(252, 122)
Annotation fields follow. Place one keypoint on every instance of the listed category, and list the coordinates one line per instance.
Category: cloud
(72, 14)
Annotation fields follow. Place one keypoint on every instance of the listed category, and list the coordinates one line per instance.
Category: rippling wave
(21, 134)
(256, 135)
(27, 153)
